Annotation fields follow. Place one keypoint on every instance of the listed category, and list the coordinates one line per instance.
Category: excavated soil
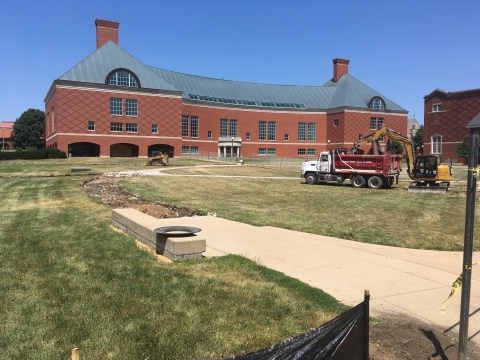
(390, 339)
(106, 189)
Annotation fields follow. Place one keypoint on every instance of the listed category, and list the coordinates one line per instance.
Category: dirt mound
(106, 189)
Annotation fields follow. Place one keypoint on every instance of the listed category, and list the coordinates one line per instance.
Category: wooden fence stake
(76, 354)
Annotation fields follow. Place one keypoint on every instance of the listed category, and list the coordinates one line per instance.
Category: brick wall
(458, 109)
(247, 120)
(70, 109)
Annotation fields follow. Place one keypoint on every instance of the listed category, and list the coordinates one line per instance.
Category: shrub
(33, 154)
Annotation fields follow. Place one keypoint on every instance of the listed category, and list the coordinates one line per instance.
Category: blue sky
(402, 49)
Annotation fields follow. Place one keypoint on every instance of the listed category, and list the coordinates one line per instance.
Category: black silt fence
(345, 337)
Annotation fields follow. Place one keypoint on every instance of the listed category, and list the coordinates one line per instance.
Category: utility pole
(468, 246)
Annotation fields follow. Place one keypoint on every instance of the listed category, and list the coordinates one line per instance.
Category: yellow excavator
(426, 171)
(158, 159)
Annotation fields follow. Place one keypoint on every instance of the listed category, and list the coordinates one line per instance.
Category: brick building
(111, 104)
(6, 128)
(447, 115)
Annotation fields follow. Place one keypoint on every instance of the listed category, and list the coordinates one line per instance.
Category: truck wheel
(311, 179)
(358, 181)
(375, 182)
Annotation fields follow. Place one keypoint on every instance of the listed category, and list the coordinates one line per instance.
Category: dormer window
(377, 103)
(122, 78)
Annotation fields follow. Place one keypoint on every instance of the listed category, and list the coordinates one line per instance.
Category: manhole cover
(177, 230)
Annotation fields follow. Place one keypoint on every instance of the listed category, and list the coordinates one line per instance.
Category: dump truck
(428, 174)
(336, 166)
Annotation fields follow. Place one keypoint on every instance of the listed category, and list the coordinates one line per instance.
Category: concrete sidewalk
(402, 282)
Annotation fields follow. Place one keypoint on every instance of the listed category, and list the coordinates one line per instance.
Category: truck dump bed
(386, 165)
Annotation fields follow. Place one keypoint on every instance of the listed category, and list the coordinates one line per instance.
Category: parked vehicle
(337, 165)
(380, 166)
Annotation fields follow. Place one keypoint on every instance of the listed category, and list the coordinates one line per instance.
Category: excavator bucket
(428, 188)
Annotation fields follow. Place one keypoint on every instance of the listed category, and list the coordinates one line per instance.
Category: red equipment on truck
(337, 166)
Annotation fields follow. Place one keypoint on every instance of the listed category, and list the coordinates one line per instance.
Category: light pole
(231, 153)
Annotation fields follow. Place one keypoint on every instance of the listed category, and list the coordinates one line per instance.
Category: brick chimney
(106, 30)
(340, 67)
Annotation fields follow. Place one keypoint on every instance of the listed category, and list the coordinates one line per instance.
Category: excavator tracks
(429, 188)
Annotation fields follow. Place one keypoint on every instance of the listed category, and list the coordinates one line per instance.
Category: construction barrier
(345, 337)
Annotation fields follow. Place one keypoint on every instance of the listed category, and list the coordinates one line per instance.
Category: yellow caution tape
(456, 286)
(475, 170)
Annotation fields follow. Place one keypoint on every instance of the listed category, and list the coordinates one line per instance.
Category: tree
(418, 139)
(463, 149)
(396, 146)
(29, 130)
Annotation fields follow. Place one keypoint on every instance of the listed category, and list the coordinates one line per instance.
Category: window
(301, 152)
(437, 107)
(360, 137)
(287, 137)
(154, 129)
(209, 134)
(91, 126)
(115, 126)
(184, 125)
(262, 130)
(122, 78)
(194, 126)
(223, 128)
(373, 123)
(311, 152)
(131, 107)
(272, 152)
(132, 128)
(233, 128)
(335, 122)
(380, 122)
(312, 131)
(262, 151)
(184, 149)
(413, 127)
(302, 131)
(272, 131)
(116, 106)
(436, 144)
(377, 103)
(247, 136)
(194, 150)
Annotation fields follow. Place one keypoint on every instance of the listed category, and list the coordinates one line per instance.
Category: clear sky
(402, 49)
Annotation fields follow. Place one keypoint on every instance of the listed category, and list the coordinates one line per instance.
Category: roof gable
(351, 92)
(96, 67)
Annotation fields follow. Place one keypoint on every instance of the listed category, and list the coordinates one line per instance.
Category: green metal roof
(346, 92)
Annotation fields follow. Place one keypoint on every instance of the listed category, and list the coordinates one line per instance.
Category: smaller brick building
(5, 133)
(447, 115)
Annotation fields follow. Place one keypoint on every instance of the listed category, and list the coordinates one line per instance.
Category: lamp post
(231, 153)
(3, 137)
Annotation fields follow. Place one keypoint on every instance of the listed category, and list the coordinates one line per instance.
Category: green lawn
(97, 165)
(67, 279)
(391, 217)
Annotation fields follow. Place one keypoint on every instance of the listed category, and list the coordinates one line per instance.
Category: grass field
(391, 217)
(69, 280)
(97, 165)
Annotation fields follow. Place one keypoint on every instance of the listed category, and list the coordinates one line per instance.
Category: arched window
(377, 103)
(122, 78)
